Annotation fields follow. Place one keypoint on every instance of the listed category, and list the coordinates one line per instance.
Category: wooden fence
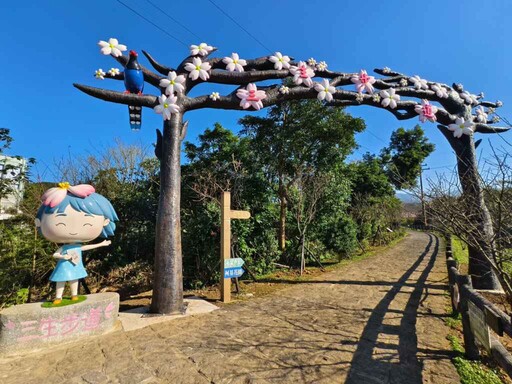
(482, 321)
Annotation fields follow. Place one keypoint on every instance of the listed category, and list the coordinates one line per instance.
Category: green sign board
(233, 263)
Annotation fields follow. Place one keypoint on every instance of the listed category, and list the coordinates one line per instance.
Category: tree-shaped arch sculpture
(404, 96)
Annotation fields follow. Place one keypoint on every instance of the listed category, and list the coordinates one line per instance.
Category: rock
(29, 327)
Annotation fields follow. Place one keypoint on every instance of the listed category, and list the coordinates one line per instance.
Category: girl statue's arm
(104, 243)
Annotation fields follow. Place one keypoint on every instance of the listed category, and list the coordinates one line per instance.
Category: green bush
(339, 235)
(253, 240)
(24, 259)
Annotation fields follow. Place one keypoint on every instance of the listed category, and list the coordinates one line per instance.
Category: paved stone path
(378, 320)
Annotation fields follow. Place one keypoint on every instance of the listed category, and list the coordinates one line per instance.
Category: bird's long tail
(135, 117)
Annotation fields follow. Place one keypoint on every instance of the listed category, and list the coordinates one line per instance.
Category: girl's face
(71, 226)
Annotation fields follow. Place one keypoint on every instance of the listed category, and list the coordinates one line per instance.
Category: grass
(454, 321)
(65, 301)
(460, 251)
(456, 344)
(470, 372)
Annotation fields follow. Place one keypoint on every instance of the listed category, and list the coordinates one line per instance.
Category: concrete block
(29, 327)
(140, 317)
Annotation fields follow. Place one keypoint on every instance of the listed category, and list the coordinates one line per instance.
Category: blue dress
(65, 269)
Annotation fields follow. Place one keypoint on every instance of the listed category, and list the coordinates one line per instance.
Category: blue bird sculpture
(134, 83)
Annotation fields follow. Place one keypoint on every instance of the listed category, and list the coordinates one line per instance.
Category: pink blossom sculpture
(251, 97)
(426, 111)
(363, 82)
(302, 74)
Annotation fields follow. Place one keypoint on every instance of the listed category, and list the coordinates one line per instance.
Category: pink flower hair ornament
(54, 196)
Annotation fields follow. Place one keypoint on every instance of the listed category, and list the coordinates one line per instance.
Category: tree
(373, 196)
(296, 136)
(223, 161)
(369, 178)
(404, 156)
(333, 226)
(219, 163)
(198, 67)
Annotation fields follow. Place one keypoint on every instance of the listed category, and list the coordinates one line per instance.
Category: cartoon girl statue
(72, 215)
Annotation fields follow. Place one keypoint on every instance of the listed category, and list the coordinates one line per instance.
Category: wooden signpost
(225, 245)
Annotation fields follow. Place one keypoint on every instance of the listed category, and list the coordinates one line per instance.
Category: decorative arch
(458, 114)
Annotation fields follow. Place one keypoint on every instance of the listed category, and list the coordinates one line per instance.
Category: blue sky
(48, 45)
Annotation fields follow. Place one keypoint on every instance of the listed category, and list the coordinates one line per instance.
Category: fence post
(472, 352)
(451, 278)
(452, 284)
(448, 246)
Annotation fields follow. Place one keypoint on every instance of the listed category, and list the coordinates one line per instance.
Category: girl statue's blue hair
(94, 204)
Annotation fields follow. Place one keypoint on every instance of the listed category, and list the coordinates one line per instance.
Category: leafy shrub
(25, 261)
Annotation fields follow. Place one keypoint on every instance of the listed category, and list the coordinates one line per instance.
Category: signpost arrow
(230, 273)
(233, 263)
(240, 214)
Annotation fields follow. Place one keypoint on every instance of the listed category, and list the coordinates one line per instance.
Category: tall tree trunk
(282, 217)
(483, 277)
(168, 275)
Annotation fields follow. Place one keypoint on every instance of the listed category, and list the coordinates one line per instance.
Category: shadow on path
(370, 364)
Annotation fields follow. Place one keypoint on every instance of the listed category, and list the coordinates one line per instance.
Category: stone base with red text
(29, 327)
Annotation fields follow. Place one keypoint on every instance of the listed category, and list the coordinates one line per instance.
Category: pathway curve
(378, 320)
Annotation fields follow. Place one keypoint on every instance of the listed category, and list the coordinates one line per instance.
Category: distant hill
(407, 197)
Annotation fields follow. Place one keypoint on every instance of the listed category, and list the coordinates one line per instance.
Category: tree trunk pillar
(168, 273)
(483, 277)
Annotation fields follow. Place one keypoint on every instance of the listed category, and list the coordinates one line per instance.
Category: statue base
(28, 327)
